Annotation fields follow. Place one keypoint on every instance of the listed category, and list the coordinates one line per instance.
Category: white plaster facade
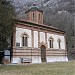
(37, 59)
(21, 31)
(35, 39)
(55, 42)
(42, 37)
(56, 58)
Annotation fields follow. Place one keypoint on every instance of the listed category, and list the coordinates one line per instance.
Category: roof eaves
(46, 26)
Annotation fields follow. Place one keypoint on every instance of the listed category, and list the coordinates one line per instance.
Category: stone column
(46, 39)
(38, 39)
(32, 34)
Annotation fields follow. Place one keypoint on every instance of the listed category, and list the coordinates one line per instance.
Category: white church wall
(56, 58)
(16, 60)
(55, 42)
(20, 32)
(42, 37)
(36, 59)
(62, 38)
(35, 39)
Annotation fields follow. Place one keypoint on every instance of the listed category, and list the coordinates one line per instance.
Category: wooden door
(43, 53)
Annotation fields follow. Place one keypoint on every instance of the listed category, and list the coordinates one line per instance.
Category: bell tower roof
(34, 8)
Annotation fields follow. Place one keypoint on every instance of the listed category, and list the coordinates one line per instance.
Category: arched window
(39, 16)
(51, 42)
(59, 43)
(33, 16)
(24, 40)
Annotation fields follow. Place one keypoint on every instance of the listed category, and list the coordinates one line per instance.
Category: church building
(35, 42)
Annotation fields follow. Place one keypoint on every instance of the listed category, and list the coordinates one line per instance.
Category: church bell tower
(34, 15)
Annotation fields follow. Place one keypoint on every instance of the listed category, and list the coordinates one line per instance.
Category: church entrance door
(43, 53)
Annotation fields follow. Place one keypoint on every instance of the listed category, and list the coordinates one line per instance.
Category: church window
(59, 43)
(33, 16)
(24, 40)
(39, 16)
(51, 42)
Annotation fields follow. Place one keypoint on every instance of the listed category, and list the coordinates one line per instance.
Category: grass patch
(57, 68)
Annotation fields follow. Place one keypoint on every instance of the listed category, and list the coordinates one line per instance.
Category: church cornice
(42, 26)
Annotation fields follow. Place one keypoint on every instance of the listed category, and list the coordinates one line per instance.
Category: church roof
(40, 26)
(34, 8)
